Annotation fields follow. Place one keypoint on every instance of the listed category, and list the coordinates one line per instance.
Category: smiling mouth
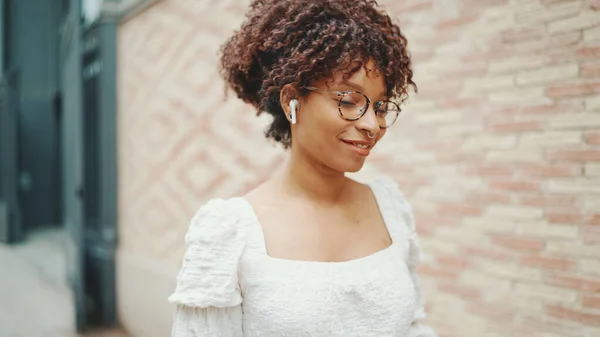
(361, 146)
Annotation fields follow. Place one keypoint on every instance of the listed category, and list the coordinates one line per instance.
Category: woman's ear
(290, 103)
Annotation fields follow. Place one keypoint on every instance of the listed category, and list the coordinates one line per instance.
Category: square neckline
(381, 206)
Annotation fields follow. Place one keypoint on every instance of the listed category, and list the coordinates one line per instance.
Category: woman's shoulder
(384, 187)
(387, 183)
(215, 240)
(218, 221)
(381, 182)
(390, 195)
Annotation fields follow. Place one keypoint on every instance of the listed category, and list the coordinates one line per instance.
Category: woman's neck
(304, 177)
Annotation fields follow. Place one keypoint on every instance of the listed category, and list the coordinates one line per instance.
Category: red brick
(485, 56)
(535, 322)
(591, 234)
(591, 69)
(458, 22)
(505, 113)
(515, 185)
(572, 90)
(501, 116)
(578, 283)
(497, 312)
(474, 71)
(483, 198)
(565, 40)
(418, 7)
(449, 157)
(560, 57)
(489, 171)
(515, 127)
(453, 102)
(384, 161)
(513, 242)
(523, 35)
(589, 52)
(574, 315)
(409, 183)
(554, 2)
(554, 108)
(422, 56)
(592, 137)
(439, 146)
(458, 209)
(440, 92)
(563, 54)
(487, 253)
(594, 220)
(471, 293)
(434, 220)
(438, 272)
(424, 231)
(591, 302)
(571, 218)
(548, 262)
(478, 5)
(549, 170)
(441, 37)
(452, 262)
(547, 201)
(575, 155)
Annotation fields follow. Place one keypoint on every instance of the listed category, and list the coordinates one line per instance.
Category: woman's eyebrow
(358, 87)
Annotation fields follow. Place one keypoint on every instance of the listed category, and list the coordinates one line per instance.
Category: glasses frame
(342, 94)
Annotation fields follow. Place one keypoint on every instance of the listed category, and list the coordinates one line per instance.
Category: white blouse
(228, 286)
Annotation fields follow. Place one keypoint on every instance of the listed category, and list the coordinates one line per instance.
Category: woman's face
(325, 137)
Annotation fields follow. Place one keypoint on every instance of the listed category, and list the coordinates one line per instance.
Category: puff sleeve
(405, 213)
(414, 256)
(207, 295)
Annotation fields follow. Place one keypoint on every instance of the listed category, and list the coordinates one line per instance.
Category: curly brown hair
(300, 41)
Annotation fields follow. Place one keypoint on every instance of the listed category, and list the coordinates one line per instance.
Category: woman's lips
(362, 148)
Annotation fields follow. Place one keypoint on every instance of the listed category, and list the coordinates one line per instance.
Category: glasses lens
(353, 105)
(387, 112)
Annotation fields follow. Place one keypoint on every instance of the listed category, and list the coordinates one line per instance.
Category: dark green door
(89, 88)
(31, 54)
(10, 215)
(100, 171)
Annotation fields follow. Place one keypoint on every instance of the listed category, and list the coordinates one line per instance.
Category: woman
(310, 252)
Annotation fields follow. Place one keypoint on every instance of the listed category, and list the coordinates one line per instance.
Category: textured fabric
(229, 286)
(205, 322)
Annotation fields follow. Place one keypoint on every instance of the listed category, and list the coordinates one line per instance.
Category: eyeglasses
(352, 105)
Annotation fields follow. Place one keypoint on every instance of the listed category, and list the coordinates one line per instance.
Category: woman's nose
(368, 122)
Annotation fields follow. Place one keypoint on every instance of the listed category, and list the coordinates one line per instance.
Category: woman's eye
(348, 103)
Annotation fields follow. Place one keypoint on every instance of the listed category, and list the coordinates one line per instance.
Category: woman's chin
(354, 170)
(353, 167)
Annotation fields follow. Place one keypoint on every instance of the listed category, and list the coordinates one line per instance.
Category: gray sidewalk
(35, 298)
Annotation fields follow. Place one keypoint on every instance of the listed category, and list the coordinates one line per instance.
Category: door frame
(100, 170)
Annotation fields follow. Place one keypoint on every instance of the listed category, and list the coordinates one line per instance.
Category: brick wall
(498, 153)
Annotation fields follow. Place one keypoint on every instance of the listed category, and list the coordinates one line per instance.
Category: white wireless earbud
(294, 104)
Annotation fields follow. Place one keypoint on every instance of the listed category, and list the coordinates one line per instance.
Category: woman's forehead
(367, 79)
